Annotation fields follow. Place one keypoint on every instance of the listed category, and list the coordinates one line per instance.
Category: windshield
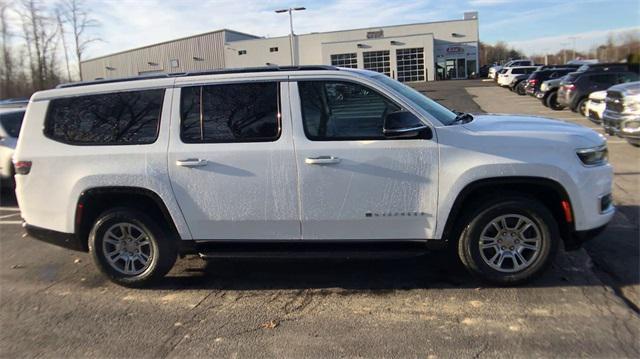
(11, 122)
(435, 109)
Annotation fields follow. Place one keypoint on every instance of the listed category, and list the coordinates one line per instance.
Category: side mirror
(404, 124)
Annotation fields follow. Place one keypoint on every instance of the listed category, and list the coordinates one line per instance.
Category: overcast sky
(532, 26)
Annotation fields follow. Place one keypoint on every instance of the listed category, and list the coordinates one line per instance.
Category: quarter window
(334, 111)
(248, 112)
(123, 118)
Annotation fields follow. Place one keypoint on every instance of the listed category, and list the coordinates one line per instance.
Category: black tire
(552, 102)
(520, 90)
(163, 246)
(469, 242)
(581, 108)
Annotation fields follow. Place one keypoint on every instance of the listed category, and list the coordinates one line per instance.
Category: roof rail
(200, 73)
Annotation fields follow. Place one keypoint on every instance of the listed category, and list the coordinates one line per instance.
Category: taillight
(569, 87)
(22, 167)
(533, 82)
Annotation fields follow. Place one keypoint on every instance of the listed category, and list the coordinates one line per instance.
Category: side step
(311, 250)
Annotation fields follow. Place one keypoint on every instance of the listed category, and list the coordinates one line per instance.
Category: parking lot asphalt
(54, 303)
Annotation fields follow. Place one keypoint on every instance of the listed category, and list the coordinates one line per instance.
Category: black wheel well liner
(94, 201)
(546, 190)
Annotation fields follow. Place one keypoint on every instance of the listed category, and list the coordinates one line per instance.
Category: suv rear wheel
(581, 108)
(552, 102)
(130, 248)
(509, 241)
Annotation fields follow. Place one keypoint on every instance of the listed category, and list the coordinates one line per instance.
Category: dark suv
(576, 87)
(532, 85)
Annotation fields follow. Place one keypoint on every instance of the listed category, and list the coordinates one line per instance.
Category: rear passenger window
(517, 71)
(604, 79)
(123, 118)
(334, 111)
(248, 112)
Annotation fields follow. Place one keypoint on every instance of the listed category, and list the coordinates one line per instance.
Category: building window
(377, 61)
(174, 63)
(242, 52)
(410, 64)
(345, 60)
(375, 34)
(273, 49)
(244, 112)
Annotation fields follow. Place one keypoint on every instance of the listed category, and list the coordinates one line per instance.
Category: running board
(311, 250)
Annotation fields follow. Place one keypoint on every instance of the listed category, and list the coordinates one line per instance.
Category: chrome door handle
(322, 160)
(191, 162)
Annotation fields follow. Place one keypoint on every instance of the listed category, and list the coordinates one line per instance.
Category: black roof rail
(200, 73)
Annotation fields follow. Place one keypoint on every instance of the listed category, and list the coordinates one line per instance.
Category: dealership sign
(455, 50)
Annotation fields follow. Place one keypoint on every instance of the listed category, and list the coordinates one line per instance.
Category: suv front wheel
(509, 241)
(131, 248)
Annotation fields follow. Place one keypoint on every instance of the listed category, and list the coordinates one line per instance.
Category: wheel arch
(94, 201)
(547, 191)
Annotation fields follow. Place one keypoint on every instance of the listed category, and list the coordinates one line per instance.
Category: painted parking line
(9, 215)
(9, 209)
(11, 222)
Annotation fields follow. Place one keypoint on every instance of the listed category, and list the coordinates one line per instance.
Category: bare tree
(80, 21)
(65, 49)
(41, 35)
(6, 71)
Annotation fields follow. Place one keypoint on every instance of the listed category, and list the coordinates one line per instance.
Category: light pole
(573, 38)
(564, 52)
(290, 10)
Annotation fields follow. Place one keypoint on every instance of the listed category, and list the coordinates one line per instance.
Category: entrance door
(231, 161)
(462, 73)
(455, 69)
(354, 182)
(450, 69)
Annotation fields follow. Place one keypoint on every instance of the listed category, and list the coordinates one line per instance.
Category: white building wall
(200, 52)
(221, 49)
(316, 48)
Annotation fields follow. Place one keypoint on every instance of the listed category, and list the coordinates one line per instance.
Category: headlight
(594, 156)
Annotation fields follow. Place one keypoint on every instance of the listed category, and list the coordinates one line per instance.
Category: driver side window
(340, 111)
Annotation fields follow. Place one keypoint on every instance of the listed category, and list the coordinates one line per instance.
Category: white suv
(508, 74)
(139, 171)
(10, 122)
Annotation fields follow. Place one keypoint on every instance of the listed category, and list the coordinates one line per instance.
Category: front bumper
(594, 115)
(65, 240)
(611, 121)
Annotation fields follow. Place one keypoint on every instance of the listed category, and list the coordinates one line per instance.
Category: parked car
(535, 80)
(604, 67)
(483, 71)
(548, 94)
(494, 70)
(595, 106)
(623, 105)
(333, 158)
(10, 123)
(575, 87)
(517, 84)
(505, 77)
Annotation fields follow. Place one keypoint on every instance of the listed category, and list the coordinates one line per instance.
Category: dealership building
(430, 51)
